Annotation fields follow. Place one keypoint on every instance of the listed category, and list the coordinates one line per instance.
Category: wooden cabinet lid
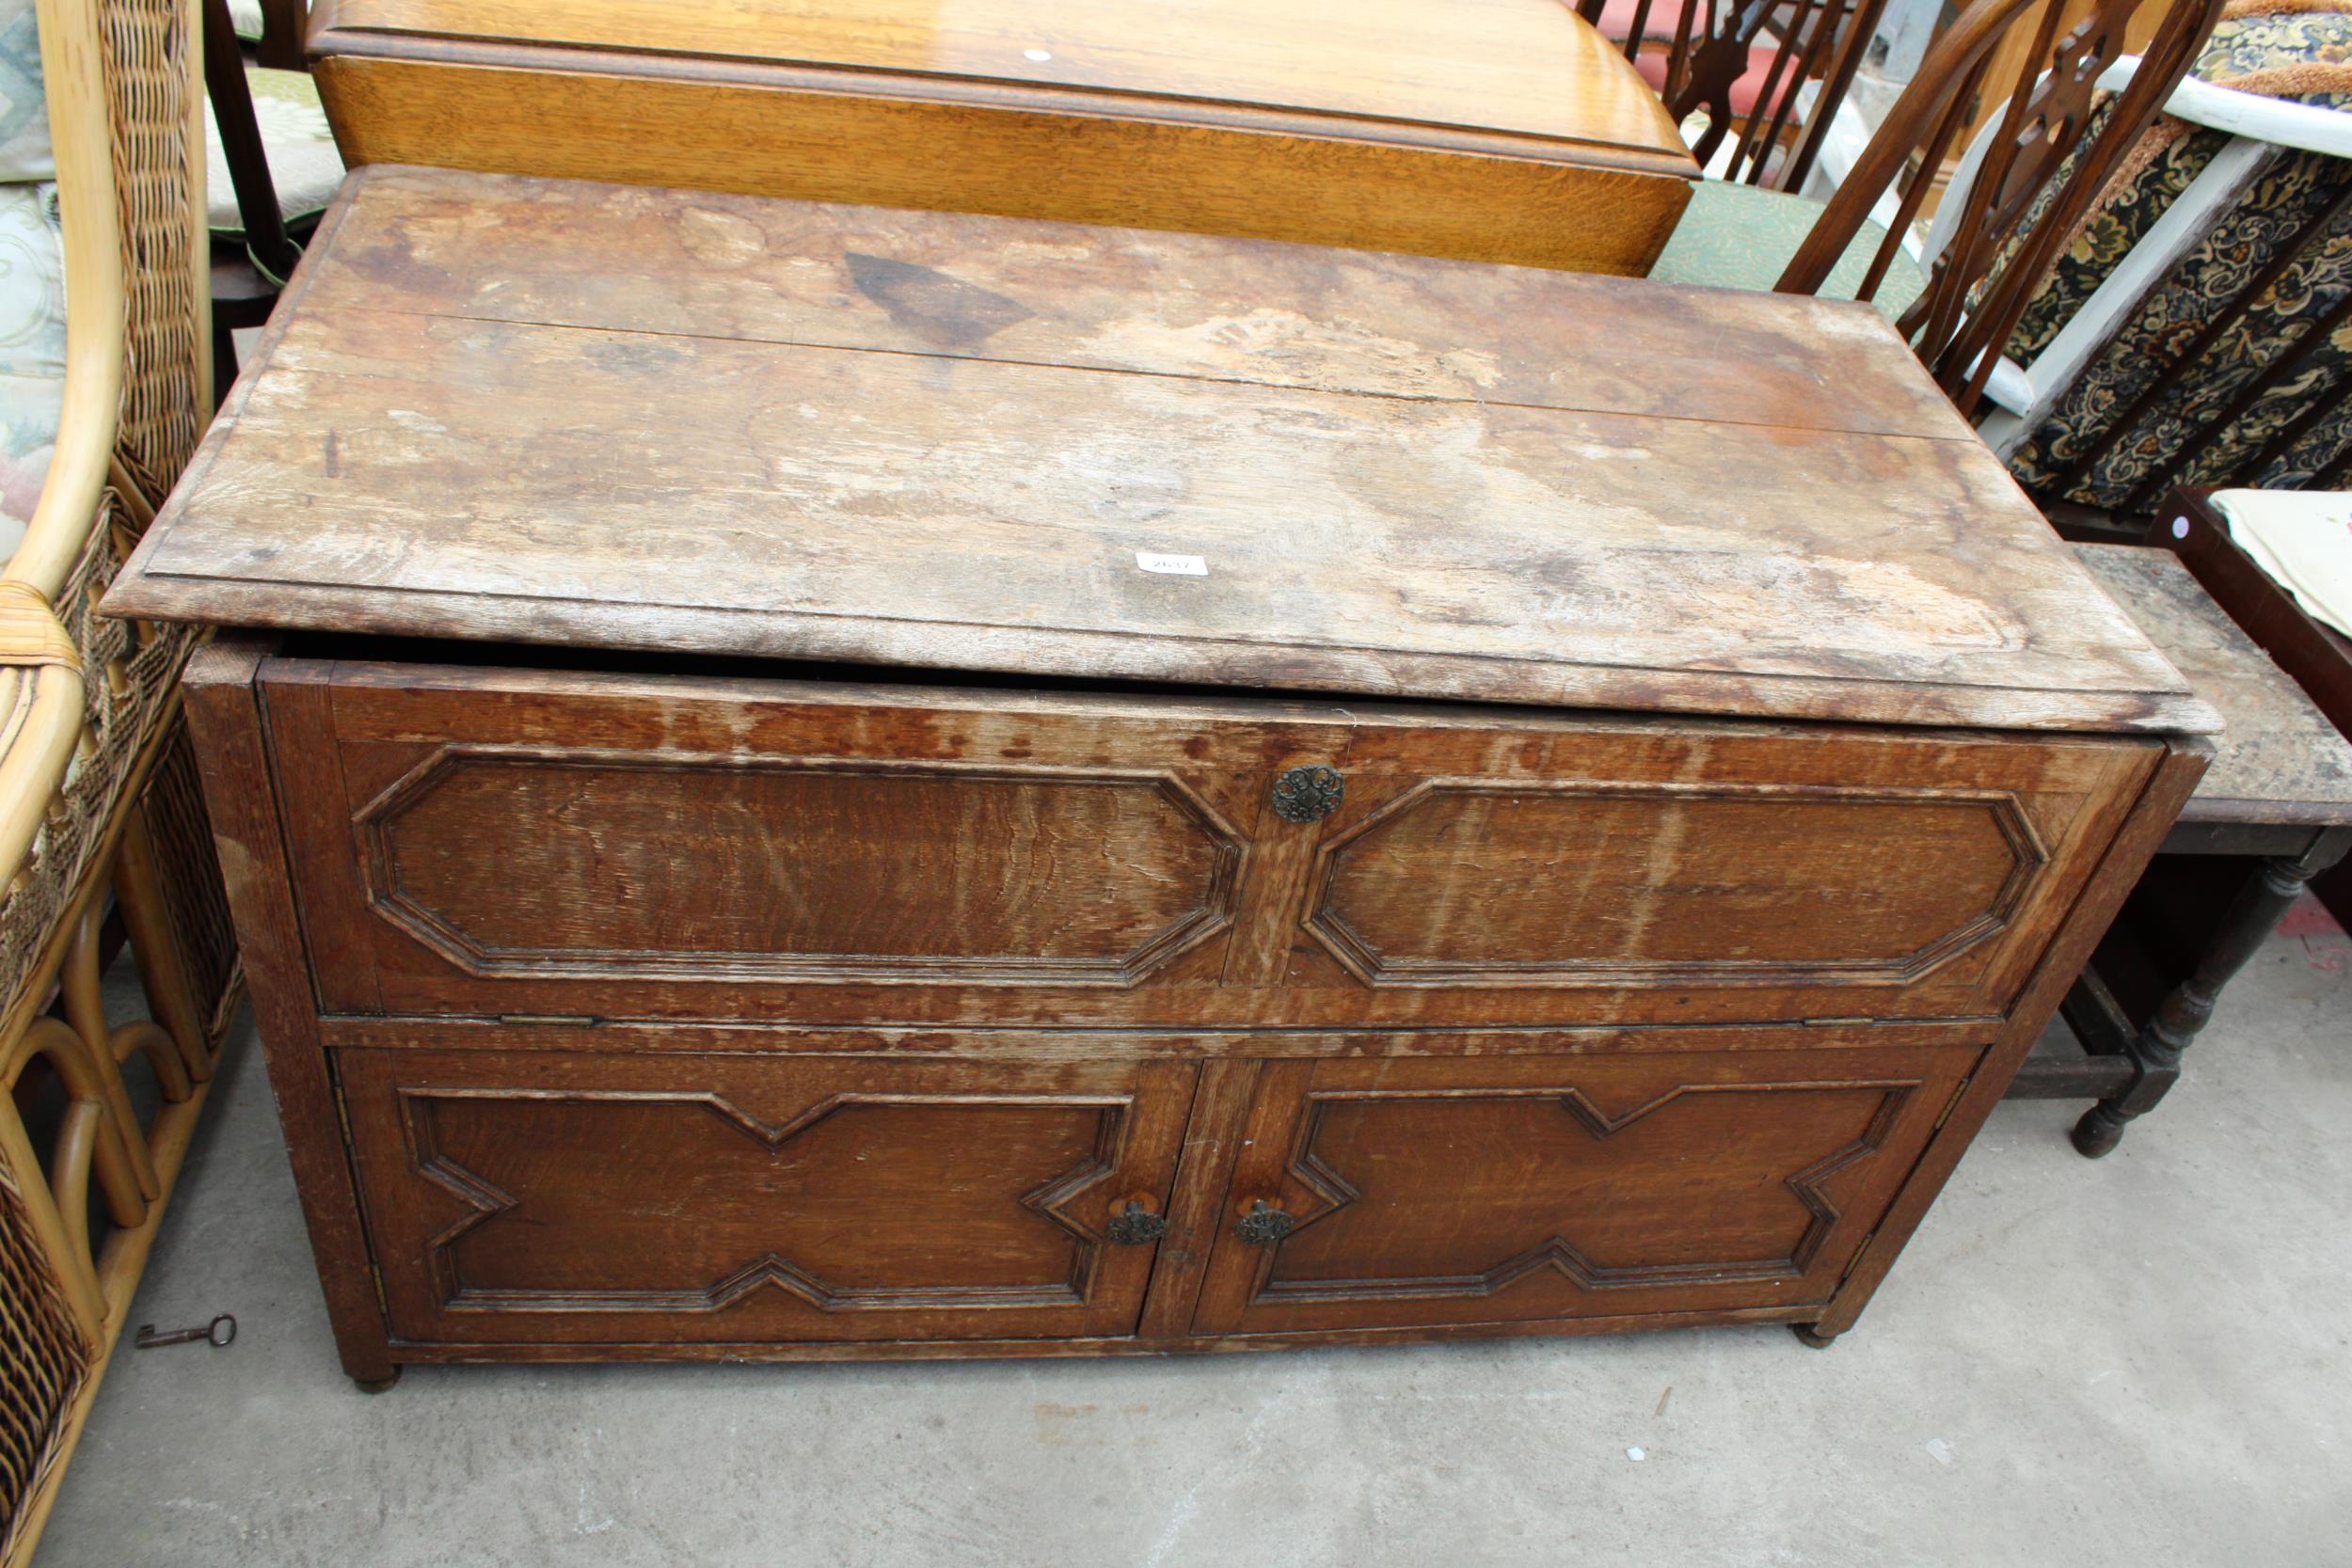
(495, 407)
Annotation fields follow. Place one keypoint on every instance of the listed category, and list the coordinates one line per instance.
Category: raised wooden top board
(1496, 130)
(505, 409)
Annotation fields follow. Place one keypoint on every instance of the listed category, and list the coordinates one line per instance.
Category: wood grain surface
(995, 1017)
(473, 841)
(230, 732)
(2278, 758)
(694, 482)
(1422, 1192)
(1531, 67)
(836, 1199)
(1499, 1179)
(1498, 130)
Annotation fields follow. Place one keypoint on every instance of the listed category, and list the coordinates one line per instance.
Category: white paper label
(1176, 566)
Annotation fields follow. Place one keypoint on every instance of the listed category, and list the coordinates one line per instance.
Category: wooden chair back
(2049, 158)
(1709, 45)
(283, 23)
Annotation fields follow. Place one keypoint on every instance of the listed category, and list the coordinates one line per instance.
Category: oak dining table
(1480, 129)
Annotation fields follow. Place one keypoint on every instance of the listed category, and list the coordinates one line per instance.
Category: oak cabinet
(896, 783)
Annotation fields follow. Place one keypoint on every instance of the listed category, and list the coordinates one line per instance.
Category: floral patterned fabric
(32, 278)
(32, 350)
(304, 166)
(2301, 422)
(24, 150)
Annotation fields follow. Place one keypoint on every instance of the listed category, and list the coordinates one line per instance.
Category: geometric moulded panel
(551, 863)
(1479, 883)
(842, 1207)
(1562, 1190)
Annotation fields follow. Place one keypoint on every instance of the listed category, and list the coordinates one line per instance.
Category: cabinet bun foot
(1809, 1337)
(376, 1384)
(2098, 1133)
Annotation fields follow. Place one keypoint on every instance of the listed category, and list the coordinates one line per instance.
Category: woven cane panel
(127, 671)
(44, 1361)
(150, 72)
(189, 870)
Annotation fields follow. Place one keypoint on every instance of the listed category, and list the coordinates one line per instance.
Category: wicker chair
(103, 836)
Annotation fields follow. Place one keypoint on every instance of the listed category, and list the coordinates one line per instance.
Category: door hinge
(1952, 1104)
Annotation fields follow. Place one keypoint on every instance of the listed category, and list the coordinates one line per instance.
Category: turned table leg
(2157, 1050)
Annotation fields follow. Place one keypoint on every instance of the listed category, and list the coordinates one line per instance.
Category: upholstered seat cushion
(24, 151)
(32, 350)
(1735, 236)
(304, 166)
(32, 278)
(2303, 539)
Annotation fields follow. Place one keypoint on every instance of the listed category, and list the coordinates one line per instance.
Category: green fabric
(304, 166)
(2187, 432)
(1735, 236)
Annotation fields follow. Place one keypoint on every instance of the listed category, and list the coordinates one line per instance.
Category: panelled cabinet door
(555, 1198)
(1415, 1193)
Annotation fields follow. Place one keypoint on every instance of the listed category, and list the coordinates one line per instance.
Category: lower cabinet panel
(1402, 1194)
(553, 1198)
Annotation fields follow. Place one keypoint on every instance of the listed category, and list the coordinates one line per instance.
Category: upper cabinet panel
(594, 844)
(716, 868)
(1465, 881)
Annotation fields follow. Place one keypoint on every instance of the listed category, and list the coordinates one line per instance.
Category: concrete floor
(2139, 1361)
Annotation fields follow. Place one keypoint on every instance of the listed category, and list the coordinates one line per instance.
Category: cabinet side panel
(225, 718)
(2159, 805)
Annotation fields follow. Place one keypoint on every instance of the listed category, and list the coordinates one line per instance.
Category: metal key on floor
(217, 1333)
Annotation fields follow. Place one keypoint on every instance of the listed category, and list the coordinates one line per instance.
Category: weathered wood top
(1521, 67)
(503, 408)
(2278, 760)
